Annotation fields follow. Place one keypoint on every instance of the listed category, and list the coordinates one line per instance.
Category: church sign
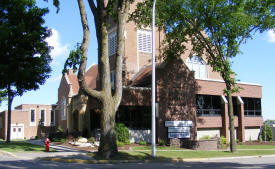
(179, 129)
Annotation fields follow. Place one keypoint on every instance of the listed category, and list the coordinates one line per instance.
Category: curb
(175, 160)
(13, 155)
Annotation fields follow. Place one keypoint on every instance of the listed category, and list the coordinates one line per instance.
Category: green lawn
(157, 147)
(256, 147)
(168, 155)
(21, 146)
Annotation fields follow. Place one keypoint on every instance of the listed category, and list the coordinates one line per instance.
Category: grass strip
(21, 146)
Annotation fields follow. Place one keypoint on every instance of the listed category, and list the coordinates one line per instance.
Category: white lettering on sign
(178, 129)
(179, 135)
(178, 123)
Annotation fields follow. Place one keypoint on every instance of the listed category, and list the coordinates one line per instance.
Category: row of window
(210, 105)
(42, 117)
(144, 41)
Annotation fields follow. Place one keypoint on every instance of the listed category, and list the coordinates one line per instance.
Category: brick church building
(187, 89)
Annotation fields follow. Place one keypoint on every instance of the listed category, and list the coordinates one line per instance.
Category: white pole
(153, 84)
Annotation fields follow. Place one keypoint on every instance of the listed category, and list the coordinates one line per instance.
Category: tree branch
(122, 14)
(84, 49)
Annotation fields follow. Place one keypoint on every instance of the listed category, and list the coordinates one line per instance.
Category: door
(17, 132)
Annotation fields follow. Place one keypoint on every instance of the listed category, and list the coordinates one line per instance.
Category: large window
(112, 42)
(134, 117)
(32, 117)
(144, 38)
(252, 106)
(42, 117)
(197, 65)
(63, 109)
(208, 105)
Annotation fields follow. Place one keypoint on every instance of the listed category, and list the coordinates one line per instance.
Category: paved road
(8, 162)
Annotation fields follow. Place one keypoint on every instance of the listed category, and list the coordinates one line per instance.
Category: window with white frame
(144, 38)
(197, 65)
(32, 117)
(112, 79)
(42, 117)
(52, 117)
(63, 109)
(112, 43)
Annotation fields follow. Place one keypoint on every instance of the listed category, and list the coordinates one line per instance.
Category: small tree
(23, 50)
(266, 133)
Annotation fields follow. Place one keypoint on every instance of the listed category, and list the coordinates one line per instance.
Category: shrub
(128, 142)
(142, 142)
(162, 143)
(205, 137)
(119, 143)
(266, 133)
(223, 142)
(122, 133)
(60, 129)
(92, 139)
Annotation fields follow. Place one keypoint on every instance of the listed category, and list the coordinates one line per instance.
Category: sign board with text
(187, 123)
(179, 135)
(178, 129)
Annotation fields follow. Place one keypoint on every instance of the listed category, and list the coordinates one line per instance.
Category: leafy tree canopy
(24, 53)
(215, 29)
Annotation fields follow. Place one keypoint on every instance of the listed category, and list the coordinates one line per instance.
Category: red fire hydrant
(47, 144)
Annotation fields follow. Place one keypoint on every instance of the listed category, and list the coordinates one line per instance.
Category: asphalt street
(8, 162)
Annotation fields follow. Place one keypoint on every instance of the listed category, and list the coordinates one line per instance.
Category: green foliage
(122, 133)
(92, 139)
(266, 133)
(142, 142)
(3, 96)
(120, 144)
(25, 59)
(162, 143)
(223, 142)
(60, 129)
(205, 137)
(260, 139)
(74, 59)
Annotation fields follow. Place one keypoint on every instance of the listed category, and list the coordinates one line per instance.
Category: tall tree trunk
(231, 120)
(10, 99)
(108, 146)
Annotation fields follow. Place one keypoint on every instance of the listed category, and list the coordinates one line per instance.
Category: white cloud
(59, 50)
(271, 36)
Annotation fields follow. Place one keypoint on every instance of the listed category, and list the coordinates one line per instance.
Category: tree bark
(231, 119)
(10, 99)
(108, 146)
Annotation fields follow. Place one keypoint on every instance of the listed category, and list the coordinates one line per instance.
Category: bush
(266, 133)
(122, 133)
(128, 142)
(142, 142)
(60, 129)
(92, 139)
(162, 143)
(205, 137)
(223, 142)
(119, 143)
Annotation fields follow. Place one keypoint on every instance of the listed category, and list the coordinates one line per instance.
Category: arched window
(196, 64)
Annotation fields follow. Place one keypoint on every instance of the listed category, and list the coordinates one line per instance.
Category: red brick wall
(209, 87)
(176, 95)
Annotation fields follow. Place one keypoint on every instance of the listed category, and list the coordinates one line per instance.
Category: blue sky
(254, 65)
